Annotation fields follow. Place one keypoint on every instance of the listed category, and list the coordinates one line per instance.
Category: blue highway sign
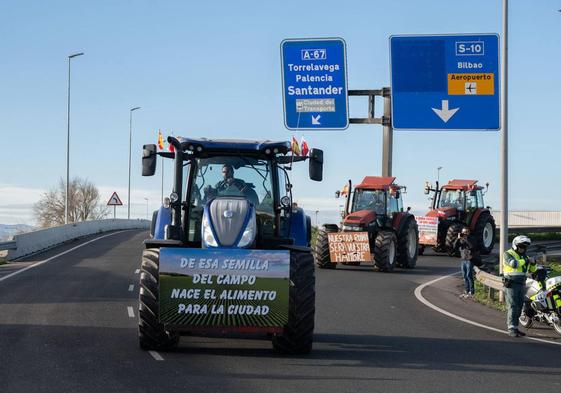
(314, 80)
(445, 82)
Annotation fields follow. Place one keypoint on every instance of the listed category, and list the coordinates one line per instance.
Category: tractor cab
(458, 198)
(376, 198)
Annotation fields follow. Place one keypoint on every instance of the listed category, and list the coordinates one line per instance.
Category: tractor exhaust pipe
(177, 184)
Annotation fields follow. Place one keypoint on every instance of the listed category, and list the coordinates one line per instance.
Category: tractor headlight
(248, 235)
(352, 228)
(207, 235)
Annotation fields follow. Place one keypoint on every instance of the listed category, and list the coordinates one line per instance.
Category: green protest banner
(224, 288)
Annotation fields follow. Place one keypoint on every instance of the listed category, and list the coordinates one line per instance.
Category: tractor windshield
(369, 200)
(232, 176)
(452, 198)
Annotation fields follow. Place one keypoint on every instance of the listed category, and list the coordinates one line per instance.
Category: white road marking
(56, 256)
(130, 311)
(131, 287)
(137, 271)
(422, 299)
(156, 355)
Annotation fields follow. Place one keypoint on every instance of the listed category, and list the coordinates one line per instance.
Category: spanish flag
(345, 190)
(161, 143)
(304, 148)
(295, 147)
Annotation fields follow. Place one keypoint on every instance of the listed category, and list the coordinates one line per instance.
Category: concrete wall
(32, 242)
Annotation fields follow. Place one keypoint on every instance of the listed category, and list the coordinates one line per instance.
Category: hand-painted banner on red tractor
(428, 230)
(349, 247)
(224, 288)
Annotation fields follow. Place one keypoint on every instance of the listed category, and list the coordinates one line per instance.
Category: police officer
(515, 266)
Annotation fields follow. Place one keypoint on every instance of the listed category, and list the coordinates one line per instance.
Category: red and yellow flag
(161, 143)
(295, 147)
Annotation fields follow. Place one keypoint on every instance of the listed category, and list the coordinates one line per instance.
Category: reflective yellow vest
(522, 265)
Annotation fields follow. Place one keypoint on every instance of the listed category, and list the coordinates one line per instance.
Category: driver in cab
(227, 181)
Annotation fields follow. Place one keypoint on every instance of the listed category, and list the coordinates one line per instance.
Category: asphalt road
(66, 326)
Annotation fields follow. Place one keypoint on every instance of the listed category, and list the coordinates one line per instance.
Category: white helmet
(521, 240)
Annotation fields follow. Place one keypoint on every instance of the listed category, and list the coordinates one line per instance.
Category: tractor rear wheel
(298, 333)
(408, 245)
(151, 333)
(321, 249)
(385, 250)
(452, 235)
(485, 233)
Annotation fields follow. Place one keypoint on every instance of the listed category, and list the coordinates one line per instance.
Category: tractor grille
(228, 218)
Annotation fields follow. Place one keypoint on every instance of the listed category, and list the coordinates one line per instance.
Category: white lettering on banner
(235, 279)
(247, 310)
(198, 309)
(183, 293)
(248, 294)
(245, 264)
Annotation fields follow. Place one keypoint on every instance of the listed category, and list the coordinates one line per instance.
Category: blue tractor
(229, 251)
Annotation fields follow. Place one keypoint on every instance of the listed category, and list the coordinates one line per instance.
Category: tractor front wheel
(408, 245)
(485, 233)
(385, 250)
(151, 333)
(321, 249)
(298, 333)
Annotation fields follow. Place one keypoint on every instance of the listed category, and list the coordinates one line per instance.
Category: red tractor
(373, 219)
(459, 204)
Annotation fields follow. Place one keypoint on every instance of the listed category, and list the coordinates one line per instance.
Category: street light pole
(68, 141)
(130, 147)
(317, 211)
(438, 174)
(146, 199)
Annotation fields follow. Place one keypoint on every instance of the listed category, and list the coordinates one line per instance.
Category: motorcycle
(542, 305)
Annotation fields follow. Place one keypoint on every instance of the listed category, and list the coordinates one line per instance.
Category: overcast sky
(212, 69)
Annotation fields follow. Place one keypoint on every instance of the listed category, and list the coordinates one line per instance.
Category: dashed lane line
(131, 287)
(56, 256)
(156, 355)
(423, 300)
(130, 311)
(137, 271)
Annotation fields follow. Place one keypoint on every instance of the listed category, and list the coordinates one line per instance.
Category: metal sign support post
(385, 120)
(504, 142)
(114, 211)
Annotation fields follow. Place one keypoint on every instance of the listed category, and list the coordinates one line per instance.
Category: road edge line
(423, 300)
(156, 356)
(57, 255)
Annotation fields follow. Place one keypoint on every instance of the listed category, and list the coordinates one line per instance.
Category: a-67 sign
(349, 247)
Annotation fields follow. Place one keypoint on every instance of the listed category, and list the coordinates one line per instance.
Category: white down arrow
(445, 114)
(315, 120)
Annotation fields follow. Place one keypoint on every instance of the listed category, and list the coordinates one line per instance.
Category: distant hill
(7, 231)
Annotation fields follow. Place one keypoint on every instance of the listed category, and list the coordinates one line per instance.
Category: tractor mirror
(148, 160)
(337, 194)
(316, 165)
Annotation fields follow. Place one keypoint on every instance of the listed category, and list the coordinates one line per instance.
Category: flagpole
(162, 179)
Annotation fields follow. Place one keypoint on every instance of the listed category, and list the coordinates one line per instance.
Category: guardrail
(10, 245)
(43, 239)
